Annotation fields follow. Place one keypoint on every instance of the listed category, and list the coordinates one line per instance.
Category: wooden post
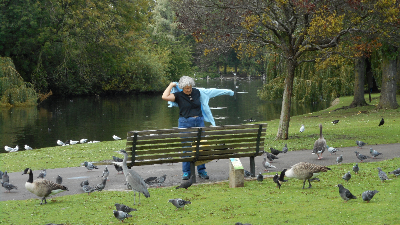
(236, 173)
(252, 166)
(134, 149)
(193, 171)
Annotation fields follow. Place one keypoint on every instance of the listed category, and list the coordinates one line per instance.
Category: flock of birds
(59, 142)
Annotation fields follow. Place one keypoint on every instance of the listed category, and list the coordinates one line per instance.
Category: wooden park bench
(196, 145)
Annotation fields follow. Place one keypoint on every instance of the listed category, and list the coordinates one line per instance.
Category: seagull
(59, 179)
(339, 159)
(73, 142)
(267, 165)
(285, 149)
(8, 186)
(361, 157)
(260, 177)
(347, 176)
(331, 150)
(8, 149)
(320, 144)
(106, 173)
(121, 215)
(116, 137)
(345, 194)
(186, 184)
(83, 140)
(368, 195)
(27, 147)
(302, 128)
(374, 153)
(179, 203)
(381, 122)
(124, 208)
(356, 168)
(60, 143)
(335, 121)
(395, 172)
(89, 165)
(360, 144)
(42, 174)
(382, 175)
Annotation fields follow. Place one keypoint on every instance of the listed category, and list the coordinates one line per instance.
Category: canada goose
(42, 188)
(134, 179)
(304, 171)
(320, 144)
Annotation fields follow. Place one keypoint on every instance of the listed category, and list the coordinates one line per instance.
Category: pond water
(99, 118)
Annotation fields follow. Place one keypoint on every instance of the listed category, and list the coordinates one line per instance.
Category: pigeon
(356, 168)
(361, 157)
(116, 137)
(285, 149)
(85, 182)
(276, 180)
(247, 173)
(121, 215)
(360, 144)
(179, 203)
(5, 177)
(331, 150)
(374, 153)
(106, 173)
(382, 175)
(27, 147)
(60, 143)
(275, 151)
(124, 208)
(119, 168)
(260, 177)
(59, 179)
(335, 121)
(395, 172)
(368, 195)
(102, 185)
(71, 142)
(267, 165)
(345, 194)
(347, 176)
(320, 144)
(381, 122)
(8, 186)
(186, 184)
(271, 157)
(239, 223)
(339, 159)
(116, 159)
(87, 189)
(83, 140)
(89, 165)
(42, 174)
(155, 180)
(302, 128)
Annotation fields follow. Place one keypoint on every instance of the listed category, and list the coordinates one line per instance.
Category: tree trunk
(372, 87)
(359, 77)
(389, 79)
(283, 129)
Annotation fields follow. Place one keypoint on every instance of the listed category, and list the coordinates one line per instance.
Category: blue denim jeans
(188, 123)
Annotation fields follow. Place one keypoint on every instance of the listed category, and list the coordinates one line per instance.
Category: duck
(320, 144)
(304, 171)
(42, 187)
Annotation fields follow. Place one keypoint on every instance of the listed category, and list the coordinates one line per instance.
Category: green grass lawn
(256, 203)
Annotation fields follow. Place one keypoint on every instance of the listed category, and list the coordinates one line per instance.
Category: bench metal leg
(252, 166)
(193, 171)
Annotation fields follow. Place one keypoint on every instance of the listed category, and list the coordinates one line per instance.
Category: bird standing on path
(360, 144)
(89, 166)
(275, 151)
(356, 168)
(382, 175)
(59, 179)
(302, 128)
(374, 153)
(331, 150)
(285, 149)
(42, 174)
(87, 189)
(179, 203)
(368, 195)
(381, 122)
(339, 159)
(304, 171)
(5, 177)
(186, 184)
(345, 193)
(134, 179)
(106, 173)
(102, 185)
(271, 157)
(320, 144)
(8, 186)
(267, 165)
(361, 157)
(347, 176)
(156, 180)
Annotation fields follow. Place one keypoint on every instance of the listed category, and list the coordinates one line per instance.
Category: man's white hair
(185, 81)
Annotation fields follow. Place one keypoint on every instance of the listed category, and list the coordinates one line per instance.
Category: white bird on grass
(60, 143)
(116, 137)
(302, 128)
(27, 147)
(83, 140)
(73, 142)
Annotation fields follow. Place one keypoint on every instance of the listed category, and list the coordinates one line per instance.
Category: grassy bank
(354, 124)
(218, 204)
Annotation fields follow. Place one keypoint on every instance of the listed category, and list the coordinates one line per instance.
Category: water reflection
(102, 117)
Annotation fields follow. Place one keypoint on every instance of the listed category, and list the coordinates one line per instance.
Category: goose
(320, 144)
(134, 179)
(304, 171)
(42, 188)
